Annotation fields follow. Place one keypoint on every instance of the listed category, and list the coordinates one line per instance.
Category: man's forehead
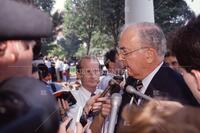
(89, 62)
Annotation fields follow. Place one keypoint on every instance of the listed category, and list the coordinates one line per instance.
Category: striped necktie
(138, 86)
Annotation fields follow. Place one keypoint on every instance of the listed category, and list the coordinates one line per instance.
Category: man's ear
(8, 54)
(149, 55)
(196, 74)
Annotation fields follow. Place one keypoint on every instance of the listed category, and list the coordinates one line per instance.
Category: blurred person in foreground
(142, 48)
(26, 97)
(186, 46)
(160, 117)
(90, 108)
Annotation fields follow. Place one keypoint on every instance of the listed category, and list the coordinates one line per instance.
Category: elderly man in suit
(142, 48)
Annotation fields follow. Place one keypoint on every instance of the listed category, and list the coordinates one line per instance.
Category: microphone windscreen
(116, 99)
(130, 89)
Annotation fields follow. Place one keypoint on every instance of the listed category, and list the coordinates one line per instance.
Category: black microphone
(111, 83)
(132, 90)
(116, 100)
(85, 116)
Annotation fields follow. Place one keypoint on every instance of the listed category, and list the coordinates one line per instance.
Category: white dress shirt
(81, 95)
(146, 81)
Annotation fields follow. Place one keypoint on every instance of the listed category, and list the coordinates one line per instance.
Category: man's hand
(63, 108)
(89, 104)
(98, 104)
(105, 106)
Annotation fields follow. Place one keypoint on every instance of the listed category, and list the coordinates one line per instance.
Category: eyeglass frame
(130, 52)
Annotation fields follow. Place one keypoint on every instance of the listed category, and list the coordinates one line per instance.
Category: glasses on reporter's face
(124, 52)
(90, 71)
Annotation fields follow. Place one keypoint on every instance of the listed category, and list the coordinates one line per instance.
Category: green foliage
(57, 19)
(112, 17)
(81, 51)
(56, 50)
(70, 44)
(170, 14)
(101, 40)
(80, 18)
(98, 22)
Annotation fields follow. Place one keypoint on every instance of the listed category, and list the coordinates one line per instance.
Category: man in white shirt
(88, 71)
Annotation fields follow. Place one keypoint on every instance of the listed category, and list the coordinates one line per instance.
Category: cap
(23, 22)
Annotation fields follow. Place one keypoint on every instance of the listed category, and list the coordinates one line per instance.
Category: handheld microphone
(108, 88)
(116, 100)
(111, 83)
(132, 90)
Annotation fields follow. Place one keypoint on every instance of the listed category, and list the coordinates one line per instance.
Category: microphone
(111, 83)
(132, 90)
(109, 87)
(116, 100)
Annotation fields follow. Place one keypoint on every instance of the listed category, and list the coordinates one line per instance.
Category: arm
(98, 120)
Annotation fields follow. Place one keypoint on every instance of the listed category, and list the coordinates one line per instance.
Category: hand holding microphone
(94, 103)
(111, 83)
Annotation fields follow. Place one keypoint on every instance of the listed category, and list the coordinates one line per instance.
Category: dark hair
(79, 64)
(43, 71)
(110, 56)
(159, 117)
(34, 69)
(186, 45)
(169, 53)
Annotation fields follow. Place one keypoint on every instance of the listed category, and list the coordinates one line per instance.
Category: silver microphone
(132, 90)
(116, 100)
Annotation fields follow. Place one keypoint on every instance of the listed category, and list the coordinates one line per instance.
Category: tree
(170, 14)
(81, 20)
(91, 20)
(112, 17)
(70, 44)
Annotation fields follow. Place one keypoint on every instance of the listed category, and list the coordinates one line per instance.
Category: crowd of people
(35, 95)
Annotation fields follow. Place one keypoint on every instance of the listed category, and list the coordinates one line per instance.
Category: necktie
(138, 86)
(92, 94)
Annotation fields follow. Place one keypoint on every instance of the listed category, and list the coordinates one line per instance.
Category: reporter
(88, 71)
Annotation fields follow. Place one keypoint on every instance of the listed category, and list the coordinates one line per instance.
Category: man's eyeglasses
(122, 52)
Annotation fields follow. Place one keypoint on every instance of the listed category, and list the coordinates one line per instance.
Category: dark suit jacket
(166, 83)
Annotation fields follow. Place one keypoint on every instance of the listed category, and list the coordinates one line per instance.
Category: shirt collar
(85, 91)
(146, 81)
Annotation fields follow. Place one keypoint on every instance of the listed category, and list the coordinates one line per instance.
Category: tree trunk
(88, 43)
